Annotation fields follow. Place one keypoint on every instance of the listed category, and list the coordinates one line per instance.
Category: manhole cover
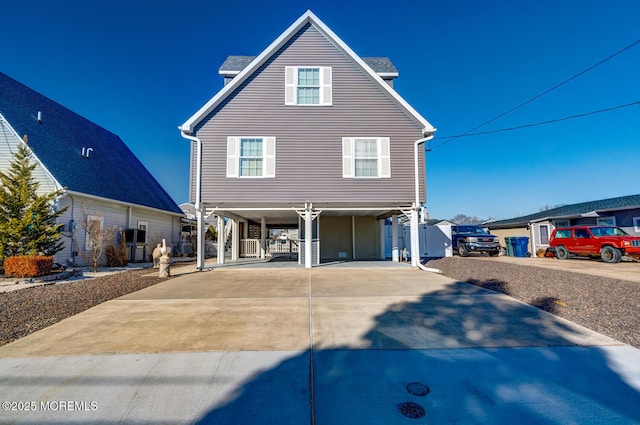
(411, 410)
(418, 389)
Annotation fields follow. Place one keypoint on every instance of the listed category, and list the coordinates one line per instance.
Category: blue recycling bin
(520, 246)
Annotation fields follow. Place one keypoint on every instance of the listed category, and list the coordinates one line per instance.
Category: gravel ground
(28, 310)
(608, 306)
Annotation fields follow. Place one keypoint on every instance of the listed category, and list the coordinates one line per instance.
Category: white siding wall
(160, 225)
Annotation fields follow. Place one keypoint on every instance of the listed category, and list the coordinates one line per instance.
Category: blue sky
(141, 68)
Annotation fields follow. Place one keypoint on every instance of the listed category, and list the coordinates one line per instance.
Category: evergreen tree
(27, 220)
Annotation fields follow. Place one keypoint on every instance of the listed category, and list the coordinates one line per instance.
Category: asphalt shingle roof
(112, 171)
(235, 64)
(573, 210)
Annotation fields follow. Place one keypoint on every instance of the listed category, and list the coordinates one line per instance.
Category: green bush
(28, 265)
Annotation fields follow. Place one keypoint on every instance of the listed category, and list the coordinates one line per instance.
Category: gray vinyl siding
(308, 138)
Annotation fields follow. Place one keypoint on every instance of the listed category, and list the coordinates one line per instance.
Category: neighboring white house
(103, 181)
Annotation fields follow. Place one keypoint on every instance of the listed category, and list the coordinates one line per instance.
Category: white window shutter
(326, 86)
(232, 156)
(347, 157)
(270, 157)
(384, 155)
(290, 83)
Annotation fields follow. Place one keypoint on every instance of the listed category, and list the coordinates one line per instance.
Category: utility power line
(541, 122)
(611, 56)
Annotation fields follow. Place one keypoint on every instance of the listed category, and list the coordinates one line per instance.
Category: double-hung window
(251, 156)
(366, 157)
(308, 85)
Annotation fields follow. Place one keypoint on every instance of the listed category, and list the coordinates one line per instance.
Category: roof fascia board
(191, 123)
(307, 17)
(388, 74)
(128, 204)
(427, 127)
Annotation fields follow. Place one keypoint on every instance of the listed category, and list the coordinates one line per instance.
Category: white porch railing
(250, 248)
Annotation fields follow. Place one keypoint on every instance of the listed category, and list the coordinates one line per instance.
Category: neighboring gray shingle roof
(381, 65)
(112, 171)
(574, 210)
(234, 64)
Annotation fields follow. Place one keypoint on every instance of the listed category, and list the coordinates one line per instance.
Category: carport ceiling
(288, 215)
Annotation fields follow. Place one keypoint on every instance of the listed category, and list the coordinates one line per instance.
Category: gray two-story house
(307, 135)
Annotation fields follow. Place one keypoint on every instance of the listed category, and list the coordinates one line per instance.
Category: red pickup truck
(608, 242)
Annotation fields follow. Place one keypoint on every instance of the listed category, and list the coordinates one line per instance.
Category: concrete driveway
(330, 345)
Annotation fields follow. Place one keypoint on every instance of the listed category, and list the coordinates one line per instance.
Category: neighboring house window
(636, 224)
(366, 157)
(560, 223)
(251, 156)
(308, 86)
(143, 232)
(606, 221)
(544, 234)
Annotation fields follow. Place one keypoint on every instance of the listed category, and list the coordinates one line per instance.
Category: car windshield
(607, 231)
(472, 230)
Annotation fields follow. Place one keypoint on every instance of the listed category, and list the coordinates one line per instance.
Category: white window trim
(291, 85)
(599, 221)
(542, 243)
(349, 158)
(268, 157)
(87, 239)
(636, 224)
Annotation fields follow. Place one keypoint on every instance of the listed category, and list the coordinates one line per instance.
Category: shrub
(116, 257)
(28, 265)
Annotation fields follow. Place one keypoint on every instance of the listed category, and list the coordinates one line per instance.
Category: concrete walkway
(330, 345)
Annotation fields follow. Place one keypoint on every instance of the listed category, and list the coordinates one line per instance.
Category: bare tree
(97, 237)
(464, 219)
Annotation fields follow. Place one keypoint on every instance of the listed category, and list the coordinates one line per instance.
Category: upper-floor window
(308, 85)
(366, 157)
(251, 156)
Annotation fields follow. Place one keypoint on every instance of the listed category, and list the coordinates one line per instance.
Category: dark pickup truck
(466, 239)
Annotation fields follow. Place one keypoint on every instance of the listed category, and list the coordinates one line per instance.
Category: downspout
(198, 203)
(415, 233)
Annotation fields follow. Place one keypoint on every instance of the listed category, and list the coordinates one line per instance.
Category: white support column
(415, 235)
(200, 238)
(381, 225)
(317, 218)
(234, 239)
(263, 237)
(299, 240)
(395, 253)
(221, 239)
(353, 237)
(308, 236)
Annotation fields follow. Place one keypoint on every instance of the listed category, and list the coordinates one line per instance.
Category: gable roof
(583, 209)
(307, 18)
(111, 170)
